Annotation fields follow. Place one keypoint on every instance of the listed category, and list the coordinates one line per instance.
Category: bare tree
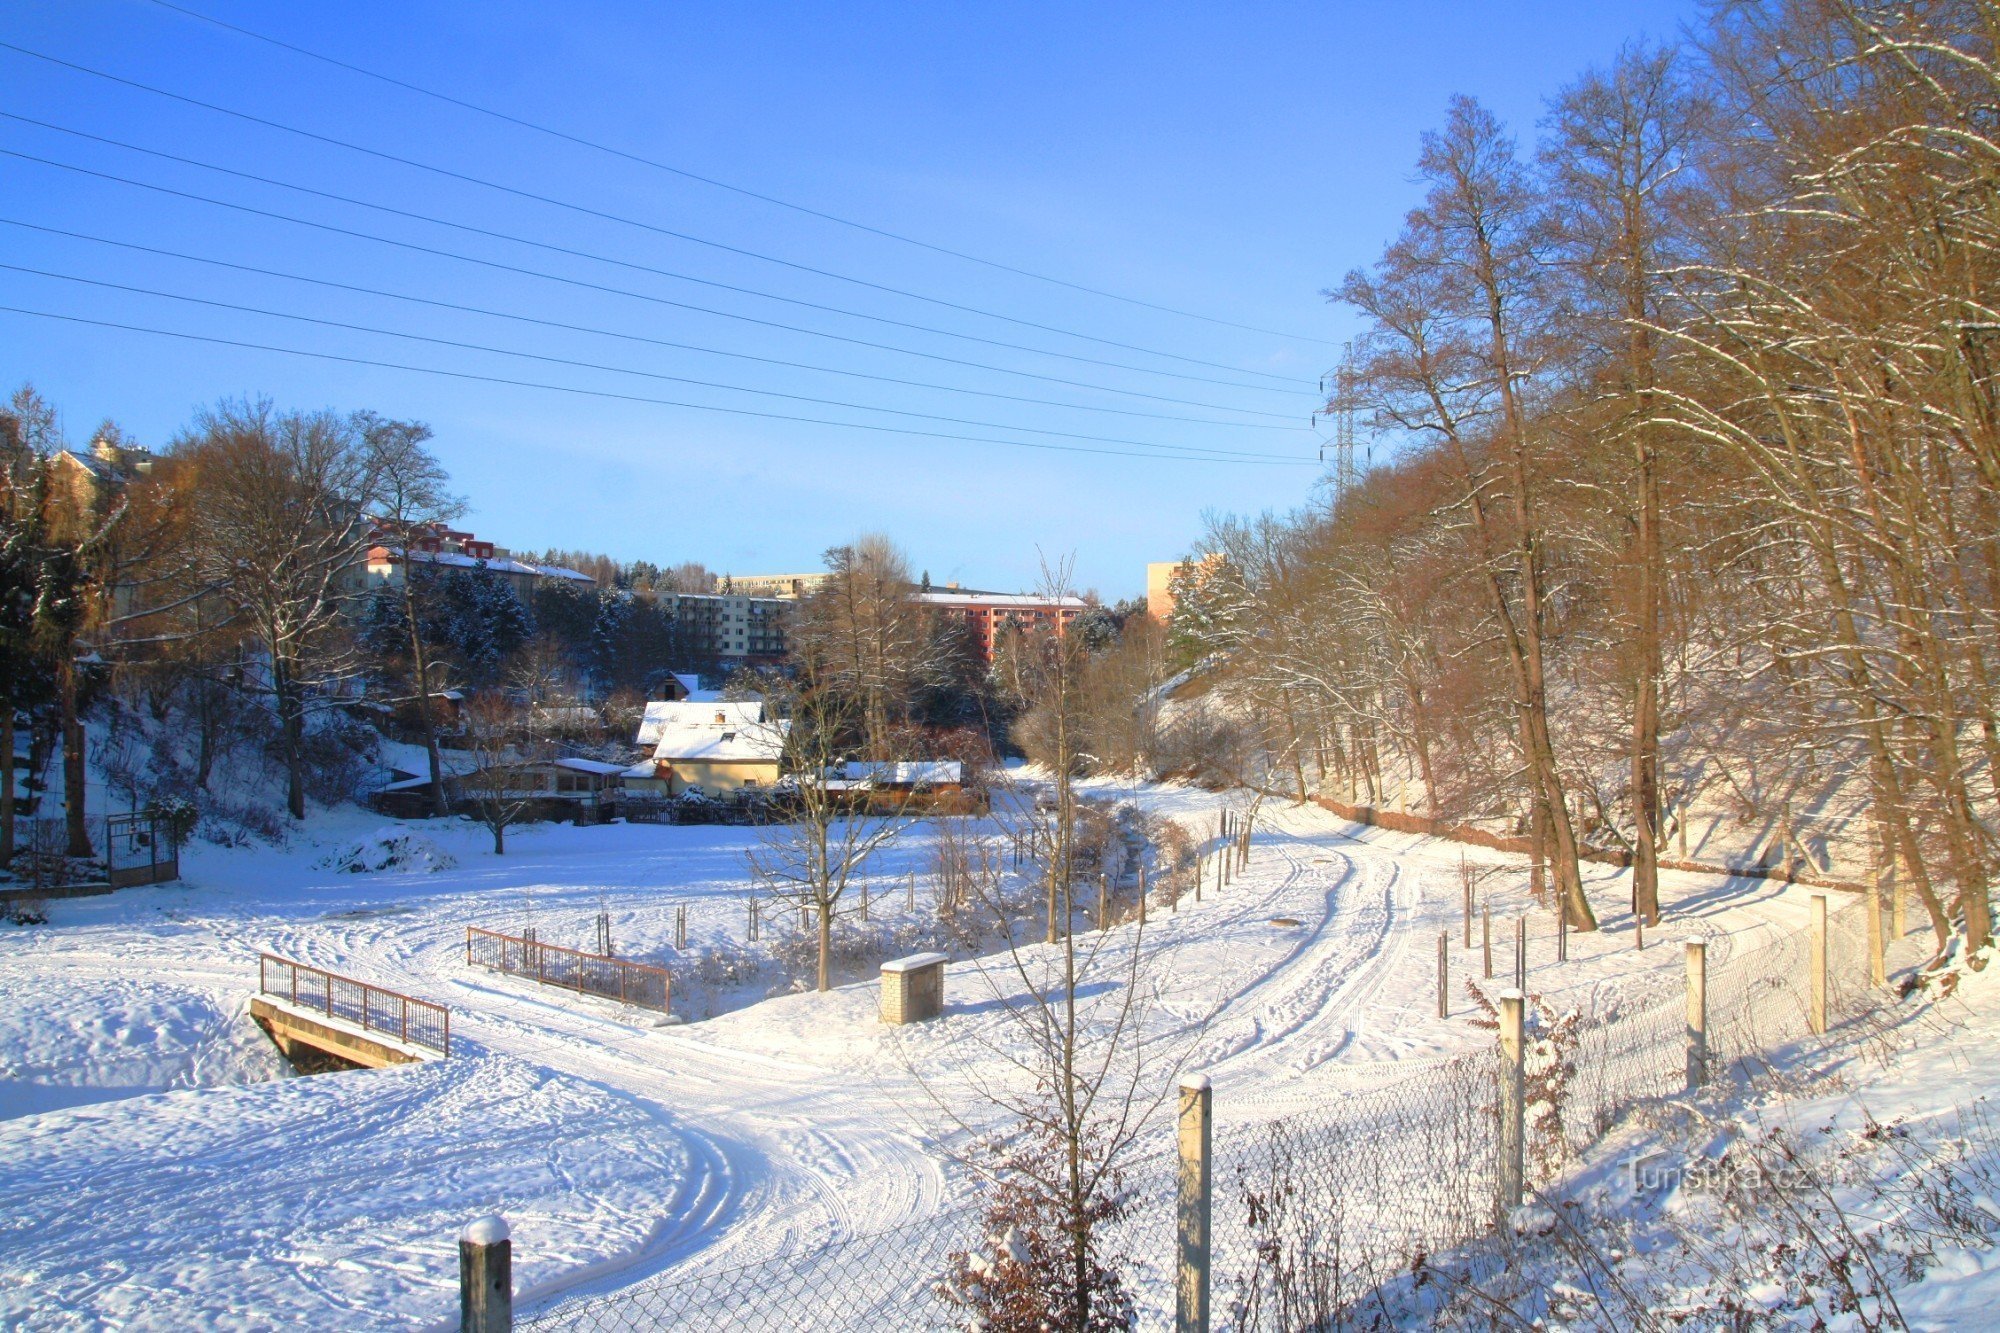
(827, 831)
(413, 498)
(279, 533)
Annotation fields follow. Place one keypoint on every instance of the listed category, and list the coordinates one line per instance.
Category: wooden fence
(572, 969)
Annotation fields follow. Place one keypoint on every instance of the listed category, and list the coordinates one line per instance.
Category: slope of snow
(623, 1150)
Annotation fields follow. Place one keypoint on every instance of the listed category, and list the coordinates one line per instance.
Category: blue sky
(1229, 160)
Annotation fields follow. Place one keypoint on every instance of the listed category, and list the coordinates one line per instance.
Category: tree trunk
(421, 667)
(7, 781)
(292, 725)
(825, 939)
(75, 817)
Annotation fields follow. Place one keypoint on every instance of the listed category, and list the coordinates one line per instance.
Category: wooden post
(1878, 966)
(1639, 932)
(1897, 924)
(1816, 1017)
(1103, 903)
(1513, 1102)
(1486, 936)
(1562, 936)
(1697, 1015)
(485, 1277)
(864, 900)
(1444, 974)
(1191, 1283)
(910, 893)
(1200, 871)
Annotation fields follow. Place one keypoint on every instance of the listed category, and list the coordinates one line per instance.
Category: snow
(162, 1170)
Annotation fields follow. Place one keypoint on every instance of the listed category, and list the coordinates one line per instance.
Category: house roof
(591, 766)
(906, 772)
(747, 742)
(694, 692)
(697, 713)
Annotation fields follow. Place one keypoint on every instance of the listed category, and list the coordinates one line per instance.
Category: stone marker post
(1697, 1017)
(1816, 946)
(485, 1277)
(1196, 1199)
(1513, 1101)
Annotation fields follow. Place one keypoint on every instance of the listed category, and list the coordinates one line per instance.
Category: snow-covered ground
(156, 1170)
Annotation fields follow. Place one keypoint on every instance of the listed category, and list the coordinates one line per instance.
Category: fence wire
(1314, 1212)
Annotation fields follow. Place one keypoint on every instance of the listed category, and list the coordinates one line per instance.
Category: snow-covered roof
(906, 772)
(591, 766)
(643, 769)
(694, 693)
(498, 564)
(748, 742)
(1003, 600)
(697, 713)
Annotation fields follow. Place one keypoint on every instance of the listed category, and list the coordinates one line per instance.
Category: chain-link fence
(1313, 1211)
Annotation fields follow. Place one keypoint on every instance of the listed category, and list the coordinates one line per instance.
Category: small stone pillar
(913, 988)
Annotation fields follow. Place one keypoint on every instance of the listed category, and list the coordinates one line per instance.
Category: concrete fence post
(1465, 889)
(1444, 974)
(1521, 954)
(485, 1277)
(1196, 1201)
(1513, 1101)
(1816, 946)
(1486, 936)
(1697, 1017)
(1878, 964)
(1562, 936)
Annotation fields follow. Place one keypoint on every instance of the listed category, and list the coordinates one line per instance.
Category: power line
(622, 291)
(623, 370)
(586, 211)
(635, 398)
(575, 253)
(650, 341)
(711, 181)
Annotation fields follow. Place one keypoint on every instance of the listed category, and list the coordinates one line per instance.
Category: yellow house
(722, 748)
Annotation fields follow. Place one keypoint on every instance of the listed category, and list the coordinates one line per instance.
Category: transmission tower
(1340, 406)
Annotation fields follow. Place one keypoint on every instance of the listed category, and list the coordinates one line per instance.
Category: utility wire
(637, 398)
(711, 181)
(616, 291)
(642, 338)
(607, 259)
(624, 370)
(587, 211)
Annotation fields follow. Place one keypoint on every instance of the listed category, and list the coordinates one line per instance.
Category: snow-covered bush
(389, 850)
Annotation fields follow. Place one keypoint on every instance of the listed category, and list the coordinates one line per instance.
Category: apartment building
(989, 613)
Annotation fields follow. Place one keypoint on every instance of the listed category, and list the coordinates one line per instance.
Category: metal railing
(601, 975)
(409, 1020)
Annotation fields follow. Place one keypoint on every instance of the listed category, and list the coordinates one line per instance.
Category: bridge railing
(572, 969)
(409, 1020)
